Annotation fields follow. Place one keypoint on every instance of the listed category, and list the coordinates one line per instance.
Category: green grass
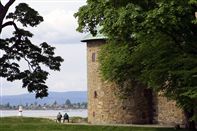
(39, 124)
(78, 119)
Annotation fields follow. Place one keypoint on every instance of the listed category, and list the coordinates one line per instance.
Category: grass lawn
(39, 124)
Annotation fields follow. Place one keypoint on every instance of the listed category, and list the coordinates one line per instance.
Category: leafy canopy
(151, 41)
(19, 48)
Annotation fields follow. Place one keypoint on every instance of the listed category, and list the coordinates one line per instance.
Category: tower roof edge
(98, 36)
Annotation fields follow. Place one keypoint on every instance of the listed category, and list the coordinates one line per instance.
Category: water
(44, 113)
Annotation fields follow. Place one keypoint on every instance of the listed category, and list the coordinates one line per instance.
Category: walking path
(129, 125)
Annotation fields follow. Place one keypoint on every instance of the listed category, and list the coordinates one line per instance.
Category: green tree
(7, 105)
(149, 41)
(55, 103)
(68, 102)
(20, 48)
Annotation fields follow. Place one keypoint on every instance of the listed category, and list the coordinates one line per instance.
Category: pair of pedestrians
(65, 117)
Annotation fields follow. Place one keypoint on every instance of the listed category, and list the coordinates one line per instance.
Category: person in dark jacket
(66, 117)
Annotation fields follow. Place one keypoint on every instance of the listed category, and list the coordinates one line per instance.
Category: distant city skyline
(59, 30)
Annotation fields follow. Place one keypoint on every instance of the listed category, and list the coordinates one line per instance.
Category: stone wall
(141, 106)
(167, 113)
(105, 105)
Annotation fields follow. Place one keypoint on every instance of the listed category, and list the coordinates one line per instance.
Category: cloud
(73, 74)
(59, 26)
(58, 29)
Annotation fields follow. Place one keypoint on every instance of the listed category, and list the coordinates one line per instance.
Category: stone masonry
(167, 113)
(141, 107)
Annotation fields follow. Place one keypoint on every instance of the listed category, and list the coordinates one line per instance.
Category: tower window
(93, 57)
(93, 114)
(95, 94)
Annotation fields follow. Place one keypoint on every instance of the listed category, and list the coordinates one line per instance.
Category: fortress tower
(105, 106)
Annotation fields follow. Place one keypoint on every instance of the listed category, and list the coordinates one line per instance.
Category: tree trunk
(189, 124)
(3, 11)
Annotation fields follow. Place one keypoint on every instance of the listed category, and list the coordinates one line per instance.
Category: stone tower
(105, 106)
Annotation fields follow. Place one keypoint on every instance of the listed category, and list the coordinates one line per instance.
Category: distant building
(142, 106)
(20, 110)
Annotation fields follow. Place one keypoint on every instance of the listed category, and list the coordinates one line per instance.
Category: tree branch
(10, 2)
(3, 11)
(1, 7)
(9, 23)
(29, 64)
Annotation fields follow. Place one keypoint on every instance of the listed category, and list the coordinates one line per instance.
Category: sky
(58, 30)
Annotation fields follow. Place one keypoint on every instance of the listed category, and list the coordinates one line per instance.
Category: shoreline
(44, 113)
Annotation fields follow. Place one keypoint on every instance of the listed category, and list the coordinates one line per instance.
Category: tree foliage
(19, 48)
(151, 41)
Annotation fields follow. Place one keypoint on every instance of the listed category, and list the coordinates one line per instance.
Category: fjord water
(44, 113)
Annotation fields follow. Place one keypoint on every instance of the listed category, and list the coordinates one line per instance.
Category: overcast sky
(59, 30)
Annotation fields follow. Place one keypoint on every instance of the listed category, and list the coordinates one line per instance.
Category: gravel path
(130, 125)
